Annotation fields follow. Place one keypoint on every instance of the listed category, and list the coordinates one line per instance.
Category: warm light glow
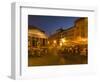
(54, 42)
(84, 39)
(79, 38)
(63, 40)
(48, 42)
(61, 44)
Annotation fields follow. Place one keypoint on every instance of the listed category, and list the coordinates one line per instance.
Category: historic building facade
(75, 34)
(81, 26)
(37, 40)
(36, 37)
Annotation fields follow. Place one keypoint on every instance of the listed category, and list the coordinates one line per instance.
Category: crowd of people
(73, 51)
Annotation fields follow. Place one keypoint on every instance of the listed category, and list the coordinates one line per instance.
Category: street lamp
(63, 40)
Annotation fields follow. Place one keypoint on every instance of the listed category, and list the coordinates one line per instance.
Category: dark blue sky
(51, 23)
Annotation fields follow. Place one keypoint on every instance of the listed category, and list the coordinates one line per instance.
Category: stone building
(37, 39)
(76, 34)
(81, 26)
